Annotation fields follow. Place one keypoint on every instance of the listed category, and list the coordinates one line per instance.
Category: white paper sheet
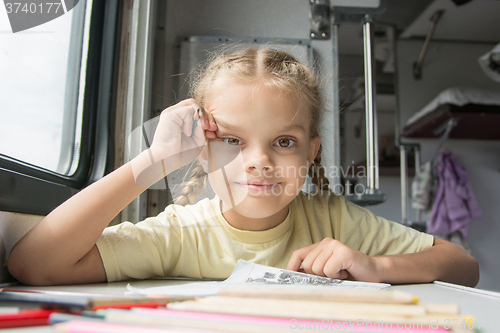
(246, 274)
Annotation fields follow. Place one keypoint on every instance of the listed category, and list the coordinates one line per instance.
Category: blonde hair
(268, 67)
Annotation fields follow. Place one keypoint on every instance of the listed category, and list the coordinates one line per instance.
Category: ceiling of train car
(411, 19)
(400, 15)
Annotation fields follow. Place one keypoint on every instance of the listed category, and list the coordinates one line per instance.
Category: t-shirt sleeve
(146, 249)
(361, 230)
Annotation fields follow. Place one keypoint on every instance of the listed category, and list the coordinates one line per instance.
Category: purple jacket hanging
(454, 203)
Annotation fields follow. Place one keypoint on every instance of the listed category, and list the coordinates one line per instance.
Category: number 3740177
(33, 8)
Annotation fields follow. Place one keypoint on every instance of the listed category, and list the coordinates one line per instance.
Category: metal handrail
(417, 66)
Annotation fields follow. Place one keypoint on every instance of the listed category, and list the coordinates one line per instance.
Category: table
(482, 305)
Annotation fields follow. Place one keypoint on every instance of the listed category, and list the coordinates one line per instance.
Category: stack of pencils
(267, 308)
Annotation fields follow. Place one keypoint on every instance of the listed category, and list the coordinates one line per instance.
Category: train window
(43, 71)
(56, 96)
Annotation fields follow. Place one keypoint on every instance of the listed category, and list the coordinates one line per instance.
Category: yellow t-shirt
(196, 241)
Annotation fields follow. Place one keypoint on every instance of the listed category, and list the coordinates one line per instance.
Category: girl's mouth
(258, 186)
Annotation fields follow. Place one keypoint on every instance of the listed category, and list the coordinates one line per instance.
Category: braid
(317, 172)
(193, 187)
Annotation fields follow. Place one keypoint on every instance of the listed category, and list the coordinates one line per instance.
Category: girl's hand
(181, 134)
(333, 259)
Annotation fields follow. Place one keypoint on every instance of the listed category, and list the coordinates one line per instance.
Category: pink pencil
(284, 322)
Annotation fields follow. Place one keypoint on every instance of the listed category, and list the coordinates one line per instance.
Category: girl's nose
(258, 159)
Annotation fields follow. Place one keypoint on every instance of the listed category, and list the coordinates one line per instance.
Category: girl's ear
(314, 144)
(203, 158)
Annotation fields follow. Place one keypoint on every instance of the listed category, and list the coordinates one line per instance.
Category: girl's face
(261, 156)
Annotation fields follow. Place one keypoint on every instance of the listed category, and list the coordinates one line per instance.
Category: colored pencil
(25, 318)
(83, 326)
(336, 307)
(320, 294)
(57, 317)
(301, 310)
(243, 323)
(77, 303)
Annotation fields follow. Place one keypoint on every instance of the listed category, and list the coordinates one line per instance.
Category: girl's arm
(61, 248)
(444, 261)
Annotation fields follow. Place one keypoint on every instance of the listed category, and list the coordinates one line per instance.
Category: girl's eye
(285, 142)
(232, 141)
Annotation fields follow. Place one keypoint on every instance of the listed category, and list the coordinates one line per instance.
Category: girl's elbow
(474, 276)
(18, 270)
(466, 274)
(469, 270)
(26, 273)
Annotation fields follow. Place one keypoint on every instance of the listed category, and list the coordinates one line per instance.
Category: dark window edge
(25, 194)
(33, 190)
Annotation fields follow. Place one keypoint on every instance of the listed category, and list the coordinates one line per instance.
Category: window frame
(33, 190)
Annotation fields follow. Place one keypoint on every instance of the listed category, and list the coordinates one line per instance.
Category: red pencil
(152, 304)
(25, 318)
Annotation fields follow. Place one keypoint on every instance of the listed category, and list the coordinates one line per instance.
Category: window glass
(42, 78)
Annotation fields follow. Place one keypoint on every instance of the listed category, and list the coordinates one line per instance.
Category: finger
(210, 134)
(338, 264)
(342, 275)
(178, 113)
(198, 132)
(210, 123)
(206, 119)
(197, 121)
(187, 102)
(189, 124)
(202, 123)
(320, 260)
(314, 262)
(206, 115)
(194, 125)
(195, 107)
(200, 112)
(333, 268)
(191, 118)
(190, 101)
(298, 256)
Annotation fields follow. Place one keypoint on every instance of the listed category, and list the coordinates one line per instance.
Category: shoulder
(189, 214)
(333, 203)
(173, 216)
(326, 205)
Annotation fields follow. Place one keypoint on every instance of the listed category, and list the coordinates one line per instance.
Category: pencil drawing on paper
(289, 277)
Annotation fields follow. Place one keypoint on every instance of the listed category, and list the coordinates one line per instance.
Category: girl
(260, 119)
